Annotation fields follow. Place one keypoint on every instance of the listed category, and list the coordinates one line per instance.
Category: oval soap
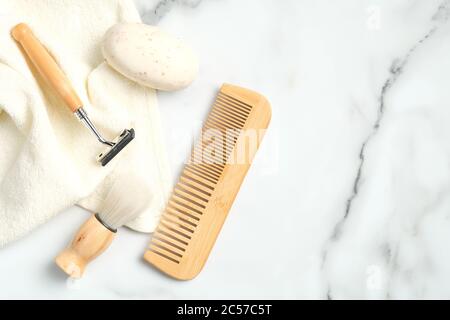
(150, 56)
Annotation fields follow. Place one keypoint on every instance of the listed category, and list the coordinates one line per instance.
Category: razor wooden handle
(90, 241)
(46, 65)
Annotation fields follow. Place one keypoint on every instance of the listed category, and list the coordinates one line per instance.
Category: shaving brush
(125, 201)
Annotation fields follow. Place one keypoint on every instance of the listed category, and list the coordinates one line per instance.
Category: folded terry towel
(47, 158)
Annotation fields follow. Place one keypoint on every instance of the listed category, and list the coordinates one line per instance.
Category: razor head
(120, 142)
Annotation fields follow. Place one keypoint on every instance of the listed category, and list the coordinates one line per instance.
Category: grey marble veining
(396, 70)
(294, 31)
(349, 195)
(153, 11)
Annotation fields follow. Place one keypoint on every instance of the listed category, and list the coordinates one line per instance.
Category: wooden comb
(209, 182)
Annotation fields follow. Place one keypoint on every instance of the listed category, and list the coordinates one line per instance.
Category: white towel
(47, 158)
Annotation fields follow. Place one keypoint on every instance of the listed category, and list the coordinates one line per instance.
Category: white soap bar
(150, 56)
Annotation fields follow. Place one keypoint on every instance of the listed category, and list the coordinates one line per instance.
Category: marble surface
(349, 196)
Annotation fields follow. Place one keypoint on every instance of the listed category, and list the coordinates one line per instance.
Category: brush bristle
(128, 197)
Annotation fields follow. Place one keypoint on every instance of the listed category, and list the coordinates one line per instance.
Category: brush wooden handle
(89, 242)
(46, 65)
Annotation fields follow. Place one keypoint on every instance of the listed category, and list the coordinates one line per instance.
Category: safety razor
(55, 77)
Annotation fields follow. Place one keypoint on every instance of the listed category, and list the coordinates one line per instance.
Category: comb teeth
(226, 120)
(193, 191)
(207, 185)
(198, 180)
